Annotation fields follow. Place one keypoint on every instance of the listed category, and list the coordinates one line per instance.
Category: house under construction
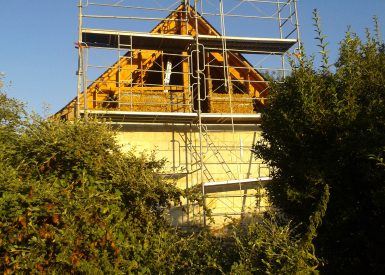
(188, 80)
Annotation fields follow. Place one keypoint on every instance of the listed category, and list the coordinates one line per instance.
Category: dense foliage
(324, 133)
(270, 246)
(72, 202)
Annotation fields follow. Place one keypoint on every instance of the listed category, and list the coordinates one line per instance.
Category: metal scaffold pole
(80, 69)
(198, 72)
(297, 27)
(283, 74)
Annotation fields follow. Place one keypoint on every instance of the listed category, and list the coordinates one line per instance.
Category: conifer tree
(321, 129)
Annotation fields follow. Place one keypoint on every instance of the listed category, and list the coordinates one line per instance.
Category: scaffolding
(200, 66)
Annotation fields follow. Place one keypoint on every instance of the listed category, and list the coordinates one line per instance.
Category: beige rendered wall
(225, 148)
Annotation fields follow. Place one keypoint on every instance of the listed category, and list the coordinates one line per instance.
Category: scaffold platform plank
(234, 185)
(213, 118)
(173, 117)
(143, 117)
(178, 43)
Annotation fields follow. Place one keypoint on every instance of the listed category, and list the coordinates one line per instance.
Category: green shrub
(74, 202)
(270, 245)
(321, 128)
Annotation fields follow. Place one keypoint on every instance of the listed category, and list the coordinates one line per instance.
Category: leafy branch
(322, 42)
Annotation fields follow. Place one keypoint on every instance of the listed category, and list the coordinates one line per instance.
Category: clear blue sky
(37, 51)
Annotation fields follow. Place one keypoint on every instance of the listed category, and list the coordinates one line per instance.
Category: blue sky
(38, 56)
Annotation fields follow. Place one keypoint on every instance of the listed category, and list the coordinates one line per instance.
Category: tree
(320, 130)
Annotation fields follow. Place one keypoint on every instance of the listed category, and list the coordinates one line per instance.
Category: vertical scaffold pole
(283, 72)
(199, 109)
(297, 26)
(84, 80)
(79, 71)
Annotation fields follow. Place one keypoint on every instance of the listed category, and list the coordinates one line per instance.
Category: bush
(72, 202)
(321, 129)
(270, 245)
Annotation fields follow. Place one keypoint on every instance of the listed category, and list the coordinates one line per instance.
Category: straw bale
(151, 101)
(240, 103)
